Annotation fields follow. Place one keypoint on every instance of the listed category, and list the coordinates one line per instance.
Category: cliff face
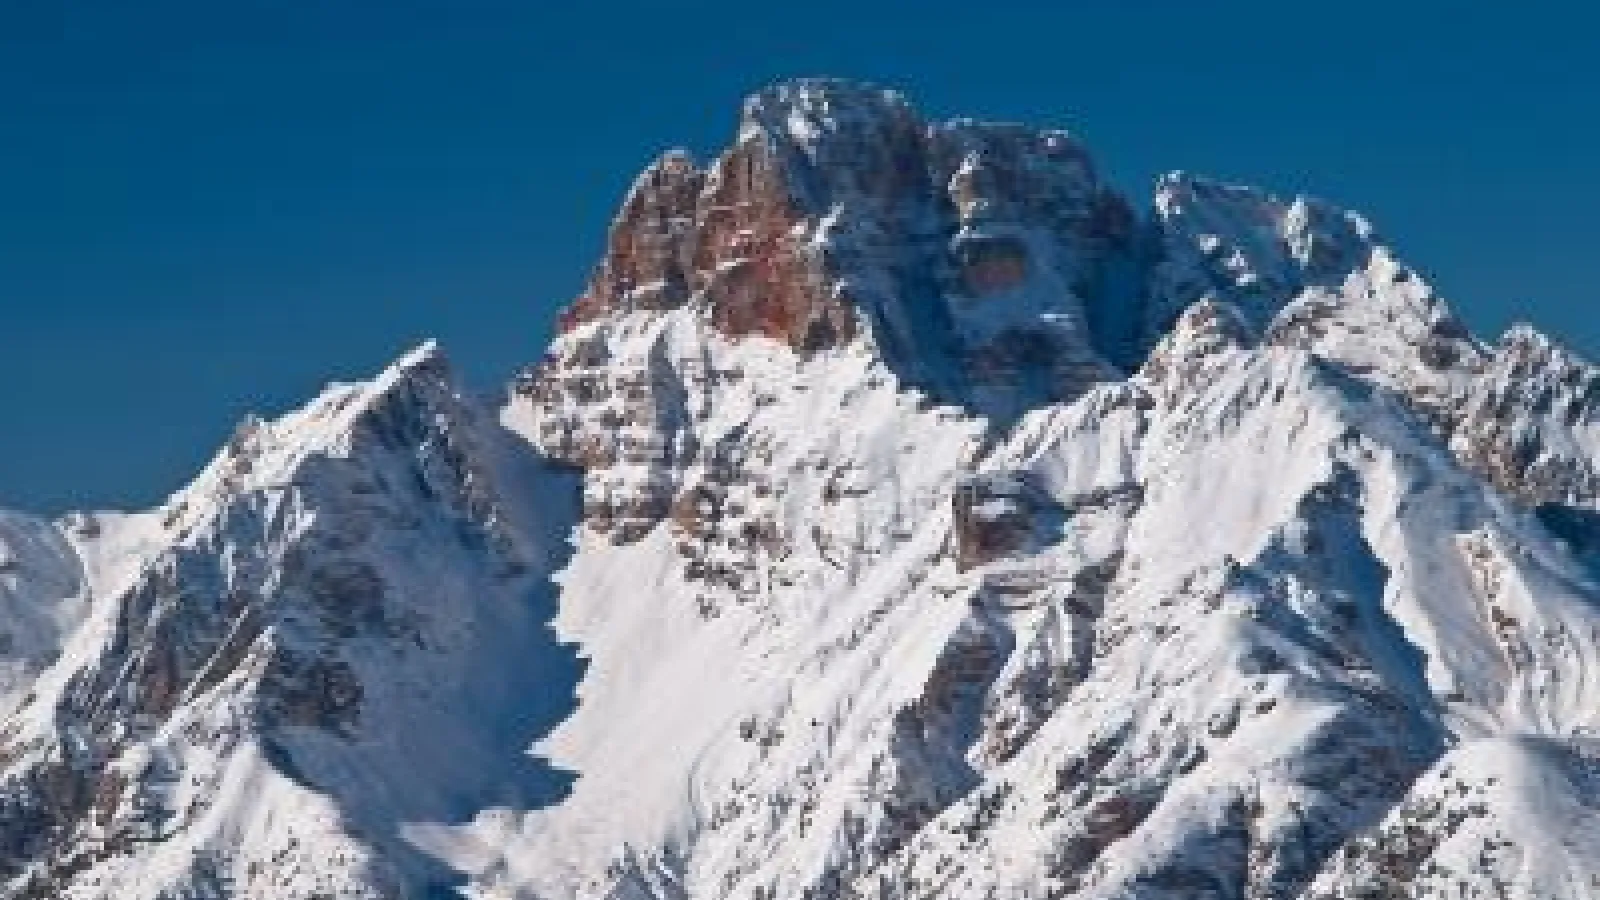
(838, 209)
(897, 514)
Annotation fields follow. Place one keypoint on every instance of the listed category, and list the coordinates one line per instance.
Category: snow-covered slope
(898, 514)
(42, 599)
(340, 626)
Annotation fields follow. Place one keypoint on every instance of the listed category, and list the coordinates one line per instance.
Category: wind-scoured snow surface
(900, 513)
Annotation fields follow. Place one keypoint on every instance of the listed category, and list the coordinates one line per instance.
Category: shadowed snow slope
(897, 514)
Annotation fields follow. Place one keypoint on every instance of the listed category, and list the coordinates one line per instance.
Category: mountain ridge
(896, 514)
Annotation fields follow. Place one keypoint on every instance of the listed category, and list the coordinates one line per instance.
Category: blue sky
(212, 208)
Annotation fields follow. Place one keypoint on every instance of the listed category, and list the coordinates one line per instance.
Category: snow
(42, 600)
(1304, 605)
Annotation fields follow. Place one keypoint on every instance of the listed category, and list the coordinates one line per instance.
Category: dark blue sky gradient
(211, 208)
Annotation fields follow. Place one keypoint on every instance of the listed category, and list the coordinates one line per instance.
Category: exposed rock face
(962, 254)
(838, 208)
(651, 254)
(1002, 515)
(924, 524)
(1531, 422)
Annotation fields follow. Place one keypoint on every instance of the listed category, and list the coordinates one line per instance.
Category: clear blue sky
(208, 208)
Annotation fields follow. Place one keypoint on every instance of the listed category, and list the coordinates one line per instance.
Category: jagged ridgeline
(899, 514)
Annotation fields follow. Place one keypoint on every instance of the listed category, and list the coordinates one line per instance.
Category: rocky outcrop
(964, 256)
(1002, 515)
(1531, 421)
(838, 209)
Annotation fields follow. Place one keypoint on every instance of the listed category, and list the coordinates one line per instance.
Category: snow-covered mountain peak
(1531, 420)
(897, 515)
(988, 263)
(818, 116)
(1524, 349)
(1228, 240)
(964, 255)
(262, 453)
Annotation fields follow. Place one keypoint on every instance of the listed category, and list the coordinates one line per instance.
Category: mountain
(900, 512)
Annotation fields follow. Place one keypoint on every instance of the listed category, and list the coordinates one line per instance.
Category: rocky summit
(899, 513)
